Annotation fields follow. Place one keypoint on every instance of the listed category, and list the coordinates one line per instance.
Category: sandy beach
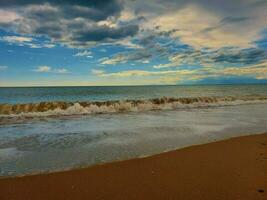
(230, 169)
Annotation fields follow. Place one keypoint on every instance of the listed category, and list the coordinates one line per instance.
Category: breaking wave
(80, 108)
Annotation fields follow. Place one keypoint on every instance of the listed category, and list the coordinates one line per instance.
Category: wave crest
(74, 108)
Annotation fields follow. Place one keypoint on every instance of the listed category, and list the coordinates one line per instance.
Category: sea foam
(81, 108)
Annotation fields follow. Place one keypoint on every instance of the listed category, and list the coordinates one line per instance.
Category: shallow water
(52, 144)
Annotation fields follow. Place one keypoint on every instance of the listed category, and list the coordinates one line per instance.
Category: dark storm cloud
(92, 9)
(74, 23)
(100, 33)
(87, 3)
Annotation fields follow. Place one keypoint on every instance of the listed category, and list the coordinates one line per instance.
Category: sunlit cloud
(3, 67)
(26, 41)
(16, 39)
(258, 71)
(8, 16)
(135, 42)
(131, 73)
(43, 69)
(48, 69)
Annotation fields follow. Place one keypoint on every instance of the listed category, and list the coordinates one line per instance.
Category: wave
(80, 108)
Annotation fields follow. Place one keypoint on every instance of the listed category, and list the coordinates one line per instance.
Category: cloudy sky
(132, 42)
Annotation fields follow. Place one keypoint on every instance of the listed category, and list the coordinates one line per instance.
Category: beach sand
(232, 169)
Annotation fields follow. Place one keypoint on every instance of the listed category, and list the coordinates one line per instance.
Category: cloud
(240, 56)
(258, 71)
(146, 61)
(26, 41)
(61, 71)
(173, 64)
(136, 56)
(77, 24)
(97, 71)
(233, 19)
(184, 40)
(8, 16)
(84, 54)
(16, 39)
(114, 60)
(149, 45)
(102, 33)
(92, 9)
(130, 73)
(229, 23)
(80, 24)
(149, 77)
(3, 68)
(216, 58)
(43, 69)
(48, 69)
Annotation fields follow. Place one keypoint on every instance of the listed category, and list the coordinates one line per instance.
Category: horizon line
(36, 86)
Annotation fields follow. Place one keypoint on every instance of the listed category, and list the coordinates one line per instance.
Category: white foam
(128, 106)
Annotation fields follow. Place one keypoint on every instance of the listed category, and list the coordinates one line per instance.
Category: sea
(47, 129)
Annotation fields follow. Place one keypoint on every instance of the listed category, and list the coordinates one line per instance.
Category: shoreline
(84, 167)
(234, 168)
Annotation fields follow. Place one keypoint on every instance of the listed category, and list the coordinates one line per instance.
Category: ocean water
(74, 94)
(82, 126)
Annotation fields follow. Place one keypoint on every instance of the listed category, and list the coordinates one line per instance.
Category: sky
(132, 42)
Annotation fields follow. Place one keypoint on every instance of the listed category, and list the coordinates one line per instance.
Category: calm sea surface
(73, 94)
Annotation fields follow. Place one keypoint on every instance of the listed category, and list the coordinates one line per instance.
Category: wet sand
(232, 169)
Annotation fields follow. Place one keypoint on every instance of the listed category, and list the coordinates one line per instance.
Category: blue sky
(124, 42)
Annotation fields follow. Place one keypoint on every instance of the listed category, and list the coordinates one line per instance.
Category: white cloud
(8, 16)
(2, 68)
(61, 71)
(130, 73)
(16, 39)
(48, 69)
(259, 71)
(114, 60)
(49, 45)
(43, 69)
(85, 53)
(146, 61)
(165, 65)
(97, 71)
(26, 41)
(190, 22)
